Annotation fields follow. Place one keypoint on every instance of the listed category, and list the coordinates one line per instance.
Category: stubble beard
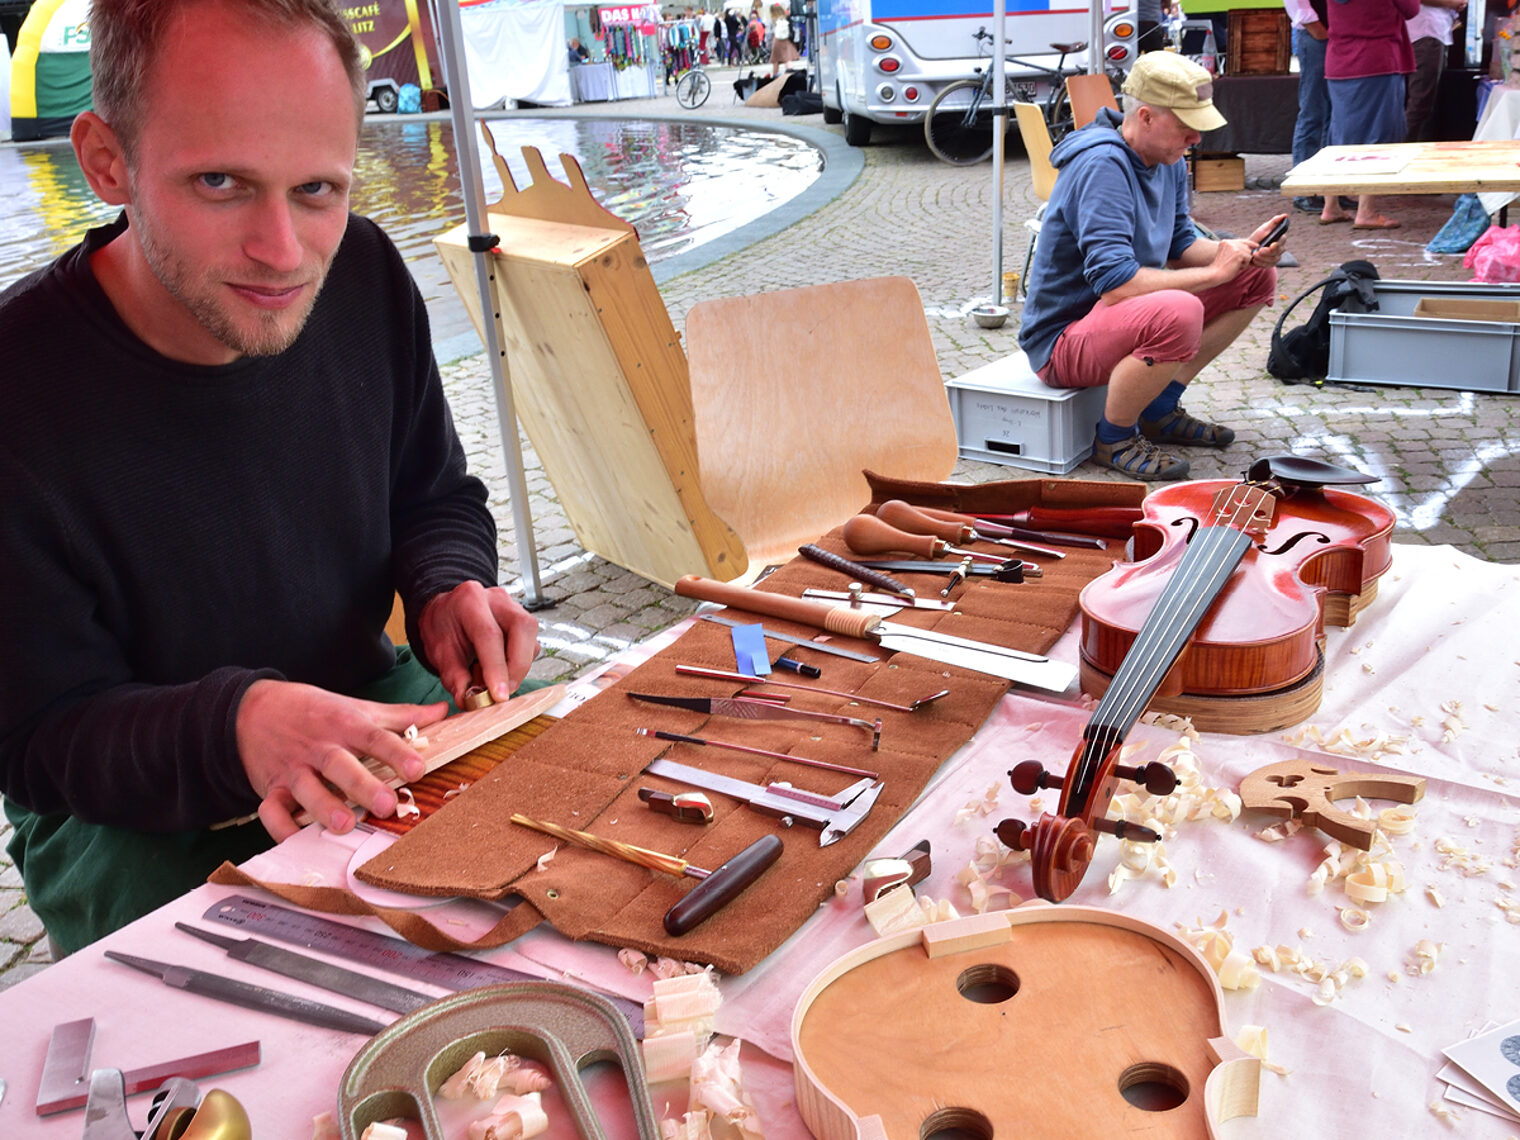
(269, 334)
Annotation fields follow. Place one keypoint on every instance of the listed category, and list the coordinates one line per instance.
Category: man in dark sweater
(226, 446)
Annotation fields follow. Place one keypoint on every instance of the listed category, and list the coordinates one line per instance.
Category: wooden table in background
(1432, 168)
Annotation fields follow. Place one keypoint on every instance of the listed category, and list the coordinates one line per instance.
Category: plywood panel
(797, 391)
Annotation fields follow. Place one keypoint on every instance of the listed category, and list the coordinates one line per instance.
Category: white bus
(883, 61)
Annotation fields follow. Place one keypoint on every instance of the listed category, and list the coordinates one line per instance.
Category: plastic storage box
(1430, 334)
(1005, 414)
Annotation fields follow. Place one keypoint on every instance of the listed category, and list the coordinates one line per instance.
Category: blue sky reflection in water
(680, 184)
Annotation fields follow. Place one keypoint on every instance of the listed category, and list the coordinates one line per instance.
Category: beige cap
(1165, 79)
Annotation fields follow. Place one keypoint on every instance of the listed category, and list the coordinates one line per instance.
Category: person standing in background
(783, 51)
(1312, 128)
(1430, 35)
(733, 23)
(1150, 16)
(1367, 57)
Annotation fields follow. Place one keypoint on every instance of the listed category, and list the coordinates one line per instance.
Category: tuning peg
(1030, 776)
(1159, 780)
(1123, 829)
(1013, 834)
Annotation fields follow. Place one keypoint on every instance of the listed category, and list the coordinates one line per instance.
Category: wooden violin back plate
(1027, 1023)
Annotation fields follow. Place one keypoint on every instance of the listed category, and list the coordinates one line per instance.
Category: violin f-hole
(1301, 536)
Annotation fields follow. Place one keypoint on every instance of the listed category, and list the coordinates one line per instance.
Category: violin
(1039, 1021)
(1229, 603)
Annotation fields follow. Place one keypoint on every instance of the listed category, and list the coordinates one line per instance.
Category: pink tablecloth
(1366, 1064)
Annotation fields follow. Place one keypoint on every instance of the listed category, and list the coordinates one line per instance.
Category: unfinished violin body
(1036, 1022)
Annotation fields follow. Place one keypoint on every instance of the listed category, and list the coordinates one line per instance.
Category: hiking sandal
(1139, 457)
(1180, 428)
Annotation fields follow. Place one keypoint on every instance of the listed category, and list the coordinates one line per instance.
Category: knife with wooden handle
(995, 660)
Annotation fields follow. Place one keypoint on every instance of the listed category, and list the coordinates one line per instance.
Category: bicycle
(693, 88)
(958, 124)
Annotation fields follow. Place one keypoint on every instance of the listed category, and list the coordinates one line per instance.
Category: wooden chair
(795, 391)
(1088, 94)
(1037, 146)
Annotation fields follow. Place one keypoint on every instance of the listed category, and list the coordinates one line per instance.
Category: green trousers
(84, 880)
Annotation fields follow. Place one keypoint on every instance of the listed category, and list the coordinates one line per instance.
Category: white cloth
(516, 50)
(1431, 22)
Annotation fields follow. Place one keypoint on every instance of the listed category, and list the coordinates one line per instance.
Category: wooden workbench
(1421, 168)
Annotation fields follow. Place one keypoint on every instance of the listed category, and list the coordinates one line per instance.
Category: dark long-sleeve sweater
(170, 533)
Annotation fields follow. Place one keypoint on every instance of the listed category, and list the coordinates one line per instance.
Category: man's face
(1164, 138)
(239, 183)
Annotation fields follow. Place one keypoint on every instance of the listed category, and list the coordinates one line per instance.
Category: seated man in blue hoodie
(1123, 290)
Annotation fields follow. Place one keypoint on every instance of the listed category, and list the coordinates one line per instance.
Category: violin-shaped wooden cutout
(1234, 563)
(1036, 1022)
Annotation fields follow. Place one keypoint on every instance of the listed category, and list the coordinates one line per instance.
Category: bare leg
(1133, 385)
(1218, 335)
(1367, 214)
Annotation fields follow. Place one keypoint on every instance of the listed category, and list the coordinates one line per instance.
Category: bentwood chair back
(1088, 94)
(1042, 175)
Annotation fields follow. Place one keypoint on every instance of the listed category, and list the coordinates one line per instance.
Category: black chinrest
(1302, 471)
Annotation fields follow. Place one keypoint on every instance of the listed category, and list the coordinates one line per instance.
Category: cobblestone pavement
(1449, 461)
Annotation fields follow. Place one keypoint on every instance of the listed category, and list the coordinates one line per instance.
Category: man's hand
(1230, 257)
(300, 746)
(472, 625)
(1317, 29)
(1267, 255)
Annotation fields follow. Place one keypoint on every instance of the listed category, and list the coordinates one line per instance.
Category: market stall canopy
(515, 49)
(50, 75)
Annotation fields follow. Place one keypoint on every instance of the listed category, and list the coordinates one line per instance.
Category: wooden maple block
(598, 376)
(1259, 42)
(1219, 172)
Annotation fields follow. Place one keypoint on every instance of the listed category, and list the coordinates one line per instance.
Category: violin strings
(1205, 566)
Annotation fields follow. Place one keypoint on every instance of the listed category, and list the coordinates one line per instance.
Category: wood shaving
(897, 911)
(382, 1130)
(1452, 723)
(981, 891)
(1445, 1115)
(636, 961)
(512, 1118)
(479, 1077)
(415, 738)
(1435, 896)
(1344, 742)
(1252, 1039)
(1423, 958)
(546, 858)
(717, 1086)
(1235, 968)
(1354, 918)
(406, 804)
(1455, 857)
(981, 807)
(670, 968)
(1280, 831)
(692, 1126)
(1397, 820)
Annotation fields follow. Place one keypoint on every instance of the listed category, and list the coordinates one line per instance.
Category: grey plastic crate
(1005, 414)
(1393, 346)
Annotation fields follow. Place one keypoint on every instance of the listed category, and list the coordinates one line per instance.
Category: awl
(834, 816)
(895, 512)
(995, 660)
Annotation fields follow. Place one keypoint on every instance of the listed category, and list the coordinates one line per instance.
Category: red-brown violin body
(1322, 555)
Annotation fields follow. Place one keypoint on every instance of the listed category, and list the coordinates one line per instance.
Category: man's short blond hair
(126, 37)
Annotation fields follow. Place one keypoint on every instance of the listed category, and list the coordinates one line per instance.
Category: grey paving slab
(1448, 461)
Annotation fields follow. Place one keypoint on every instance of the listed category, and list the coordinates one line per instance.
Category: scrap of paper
(1493, 1060)
(753, 659)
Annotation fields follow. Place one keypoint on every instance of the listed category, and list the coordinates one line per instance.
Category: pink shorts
(1163, 326)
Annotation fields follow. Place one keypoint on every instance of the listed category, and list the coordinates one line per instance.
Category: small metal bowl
(990, 316)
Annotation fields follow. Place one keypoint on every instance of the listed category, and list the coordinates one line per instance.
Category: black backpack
(1303, 354)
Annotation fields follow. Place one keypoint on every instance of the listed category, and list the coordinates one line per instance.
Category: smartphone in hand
(1277, 233)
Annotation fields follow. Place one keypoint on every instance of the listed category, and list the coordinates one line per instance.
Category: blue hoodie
(1109, 214)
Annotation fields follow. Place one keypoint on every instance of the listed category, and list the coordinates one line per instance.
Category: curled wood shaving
(406, 804)
(512, 1118)
(384, 1130)
(1397, 820)
(1455, 857)
(415, 738)
(1354, 918)
(1252, 1039)
(1423, 958)
(1452, 723)
(979, 807)
(717, 1086)
(1235, 968)
(1344, 742)
(692, 1126)
(1280, 831)
(899, 910)
(1435, 896)
(1446, 1116)
(981, 891)
(479, 1077)
(670, 968)
(546, 858)
(634, 960)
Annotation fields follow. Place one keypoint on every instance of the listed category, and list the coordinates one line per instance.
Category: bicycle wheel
(693, 89)
(958, 125)
(1058, 114)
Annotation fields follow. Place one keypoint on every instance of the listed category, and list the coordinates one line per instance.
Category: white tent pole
(1000, 111)
(1095, 58)
(472, 188)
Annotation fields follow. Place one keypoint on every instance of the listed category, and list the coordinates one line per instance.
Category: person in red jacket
(1366, 59)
